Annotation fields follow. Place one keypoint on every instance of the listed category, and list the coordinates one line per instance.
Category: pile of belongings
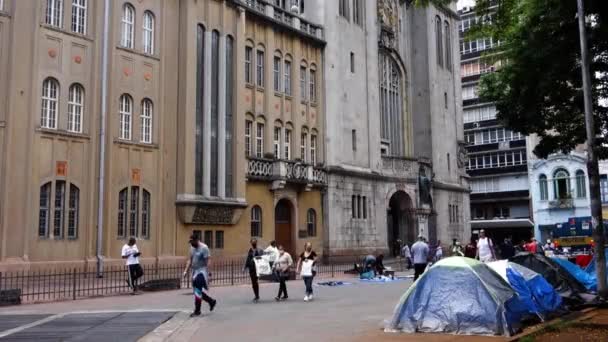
(461, 296)
(589, 280)
(569, 288)
(535, 292)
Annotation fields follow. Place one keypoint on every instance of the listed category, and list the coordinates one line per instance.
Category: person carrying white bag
(307, 261)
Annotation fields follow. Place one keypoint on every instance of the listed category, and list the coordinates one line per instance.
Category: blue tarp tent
(589, 280)
(591, 267)
(534, 291)
(461, 296)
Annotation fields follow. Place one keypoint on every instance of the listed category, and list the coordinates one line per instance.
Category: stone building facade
(394, 153)
(214, 125)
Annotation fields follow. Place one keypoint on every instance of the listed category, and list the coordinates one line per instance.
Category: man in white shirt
(485, 248)
(131, 253)
(420, 253)
(273, 253)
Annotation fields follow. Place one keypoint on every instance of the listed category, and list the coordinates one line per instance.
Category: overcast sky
(467, 3)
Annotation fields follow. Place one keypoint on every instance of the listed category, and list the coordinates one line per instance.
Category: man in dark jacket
(254, 252)
(507, 250)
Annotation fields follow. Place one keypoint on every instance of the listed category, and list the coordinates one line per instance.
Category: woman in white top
(485, 248)
(282, 267)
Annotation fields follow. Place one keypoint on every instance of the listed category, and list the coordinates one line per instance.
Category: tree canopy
(538, 86)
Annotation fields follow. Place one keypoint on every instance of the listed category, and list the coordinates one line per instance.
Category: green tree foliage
(538, 86)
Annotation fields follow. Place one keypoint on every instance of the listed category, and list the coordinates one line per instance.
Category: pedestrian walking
(407, 255)
(456, 248)
(253, 253)
(199, 263)
(420, 253)
(273, 253)
(131, 253)
(306, 267)
(485, 248)
(438, 252)
(282, 267)
(470, 250)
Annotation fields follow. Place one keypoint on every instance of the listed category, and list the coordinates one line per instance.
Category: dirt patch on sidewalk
(590, 329)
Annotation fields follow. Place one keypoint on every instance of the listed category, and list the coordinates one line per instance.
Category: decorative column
(207, 118)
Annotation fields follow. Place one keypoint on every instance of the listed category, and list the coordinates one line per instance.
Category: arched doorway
(400, 225)
(282, 226)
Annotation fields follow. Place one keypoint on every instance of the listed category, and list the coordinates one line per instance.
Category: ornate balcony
(281, 172)
(276, 14)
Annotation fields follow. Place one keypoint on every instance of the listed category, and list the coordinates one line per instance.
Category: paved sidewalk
(347, 313)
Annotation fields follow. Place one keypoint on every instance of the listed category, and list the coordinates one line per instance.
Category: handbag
(307, 269)
(262, 266)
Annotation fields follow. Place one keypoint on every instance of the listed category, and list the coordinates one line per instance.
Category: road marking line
(15, 313)
(30, 325)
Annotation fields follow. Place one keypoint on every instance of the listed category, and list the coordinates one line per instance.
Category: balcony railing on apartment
(286, 170)
(285, 17)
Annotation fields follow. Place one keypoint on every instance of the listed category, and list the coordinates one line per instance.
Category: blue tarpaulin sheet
(589, 280)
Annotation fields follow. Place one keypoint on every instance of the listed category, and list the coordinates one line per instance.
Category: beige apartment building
(157, 119)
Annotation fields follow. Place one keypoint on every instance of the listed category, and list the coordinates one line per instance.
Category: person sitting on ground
(379, 267)
(369, 263)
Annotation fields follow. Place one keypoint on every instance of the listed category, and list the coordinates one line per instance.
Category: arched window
(129, 209)
(50, 94)
(581, 184)
(304, 144)
(303, 78)
(439, 41)
(146, 121)
(391, 97)
(448, 46)
(276, 139)
(125, 112)
(148, 36)
(249, 136)
(312, 84)
(54, 12)
(311, 222)
(122, 212)
(287, 141)
(561, 184)
(256, 221)
(128, 20)
(313, 147)
(287, 75)
(44, 210)
(276, 71)
(75, 105)
(542, 185)
(79, 16)
(259, 139)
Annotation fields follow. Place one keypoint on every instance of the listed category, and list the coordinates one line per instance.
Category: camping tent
(591, 266)
(537, 294)
(571, 290)
(461, 296)
(589, 280)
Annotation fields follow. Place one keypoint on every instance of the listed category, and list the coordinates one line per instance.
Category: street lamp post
(592, 163)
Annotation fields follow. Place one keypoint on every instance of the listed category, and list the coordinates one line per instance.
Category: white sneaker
(306, 298)
(309, 297)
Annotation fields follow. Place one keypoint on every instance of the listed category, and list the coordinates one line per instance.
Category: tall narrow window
(133, 211)
(122, 212)
(125, 113)
(208, 238)
(128, 20)
(200, 82)
(50, 93)
(358, 8)
(352, 62)
(214, 131)
(311, 222)
(353, 206)
(287, 80)
(219, 239)
(303, 83)
(260, 68)
(448, 46)
(581, 184)
(561, 184)
(148, 29)
(248, 129)
(354, 139)
(313, 149)
(277, 74)
(364, 205)
(248, 60)
(44, 210)
(73, 208)
(54, 12)
(313, 86)
(58, 217)
(229, 117)
(75, 104)
(146, 121)
(392, 123)
(256, 221)
(277, 142)
(145, 215)
(259, 140)
(287, 144)
(358, 206)
(439, 41)
(79, 16)
(303, 144)
(343, 9)
(542, 185)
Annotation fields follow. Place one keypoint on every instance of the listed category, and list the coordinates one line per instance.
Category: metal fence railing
(76, 283)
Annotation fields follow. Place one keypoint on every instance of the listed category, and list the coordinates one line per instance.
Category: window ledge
(288, 97)
(64, 31)
(139, 53)
(62, 133)
(260, 89)
(4, 13)
(313, 104)
(278, 94)
(135, 143)
(249, 85)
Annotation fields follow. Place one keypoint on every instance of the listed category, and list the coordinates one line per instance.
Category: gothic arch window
(542, 185)
(133, 214)
(561, 184)
(391, 107)
(581, 185)
(439, 41)
(311, 222)
(448, 46)
(256, 221)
